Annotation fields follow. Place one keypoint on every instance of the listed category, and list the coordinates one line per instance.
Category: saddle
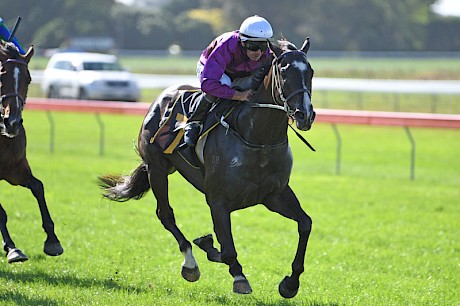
(172, 120)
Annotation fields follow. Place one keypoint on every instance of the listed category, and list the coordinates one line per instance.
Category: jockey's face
(254, 55)
(254, 50)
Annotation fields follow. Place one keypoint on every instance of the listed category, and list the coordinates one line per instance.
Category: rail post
(412, 158)
(102, 132)
(339, 149)
(52, 129)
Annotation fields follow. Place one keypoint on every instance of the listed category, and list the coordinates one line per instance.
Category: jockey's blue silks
(5, 34)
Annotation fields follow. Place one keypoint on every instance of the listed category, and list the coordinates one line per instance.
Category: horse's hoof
(15, 255)
(53, 249)
(191, 275)
(242, 287)
(206, 243)
(214, 256)
(288, 288)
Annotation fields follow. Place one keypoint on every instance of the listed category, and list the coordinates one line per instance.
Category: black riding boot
(195, 123)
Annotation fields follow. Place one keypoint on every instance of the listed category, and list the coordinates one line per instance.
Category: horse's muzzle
(304, 120)
(10, 129)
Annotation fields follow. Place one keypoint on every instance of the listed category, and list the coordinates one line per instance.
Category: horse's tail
(122, 188)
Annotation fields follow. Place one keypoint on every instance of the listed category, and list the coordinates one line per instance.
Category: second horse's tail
(122, 188)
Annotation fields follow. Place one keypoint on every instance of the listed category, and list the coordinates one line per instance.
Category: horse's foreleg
(222, 228)
(52, 246)
(12, 253)
(287, 205)
(159, 184)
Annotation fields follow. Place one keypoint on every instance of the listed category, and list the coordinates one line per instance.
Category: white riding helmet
(255, 28)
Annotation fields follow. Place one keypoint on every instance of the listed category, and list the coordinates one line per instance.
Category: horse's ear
(275, 49)
(29, 54)
(306, 45)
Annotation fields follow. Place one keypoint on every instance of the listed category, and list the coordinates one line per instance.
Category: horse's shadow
(20, 299)
(30, 277)
(225, 300)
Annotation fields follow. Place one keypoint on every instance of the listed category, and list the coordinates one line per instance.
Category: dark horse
(247, 161)
(14, 168)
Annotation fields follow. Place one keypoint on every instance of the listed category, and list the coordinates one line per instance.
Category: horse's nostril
(300, 115)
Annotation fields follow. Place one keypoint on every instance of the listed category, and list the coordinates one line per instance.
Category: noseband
(13, 94)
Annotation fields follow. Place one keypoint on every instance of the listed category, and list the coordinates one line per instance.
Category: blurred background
(160, 40)
(334, 25)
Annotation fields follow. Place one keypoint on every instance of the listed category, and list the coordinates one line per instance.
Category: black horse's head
(292, 75)
(15, 79)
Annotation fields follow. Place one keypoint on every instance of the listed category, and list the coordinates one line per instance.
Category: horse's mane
(286, 45)
(9, 49)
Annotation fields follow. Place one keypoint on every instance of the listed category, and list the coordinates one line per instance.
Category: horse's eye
(283, 72)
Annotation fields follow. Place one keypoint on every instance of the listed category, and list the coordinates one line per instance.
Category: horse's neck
(262, 125)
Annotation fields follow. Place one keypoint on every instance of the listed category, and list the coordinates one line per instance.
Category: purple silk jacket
(225, 54)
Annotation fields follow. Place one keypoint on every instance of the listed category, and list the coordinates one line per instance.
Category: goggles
(256, 45)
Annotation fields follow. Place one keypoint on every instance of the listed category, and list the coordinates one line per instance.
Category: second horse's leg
(52, 245)
(12, 253)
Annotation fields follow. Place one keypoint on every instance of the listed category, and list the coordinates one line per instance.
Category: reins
(245, 142)
(277, 86)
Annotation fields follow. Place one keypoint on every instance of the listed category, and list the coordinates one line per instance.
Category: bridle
(278, 94)
(277, 84)
(281, 104)
(277, 87)
(13, 94)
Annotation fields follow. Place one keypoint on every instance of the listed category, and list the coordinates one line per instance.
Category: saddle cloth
(169, 136)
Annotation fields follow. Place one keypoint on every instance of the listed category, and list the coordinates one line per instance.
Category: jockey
(5, 34)
(231, 67)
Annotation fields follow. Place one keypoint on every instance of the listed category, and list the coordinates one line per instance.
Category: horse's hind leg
(206, 243)
(12, 253)
(52, 245)
(287, 205)
(158, 179)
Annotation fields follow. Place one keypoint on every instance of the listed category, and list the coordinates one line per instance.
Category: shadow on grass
(69, 280)
(20, 299)
(227, 300)
(294, 302)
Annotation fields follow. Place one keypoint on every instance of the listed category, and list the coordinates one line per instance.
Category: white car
(92, 76)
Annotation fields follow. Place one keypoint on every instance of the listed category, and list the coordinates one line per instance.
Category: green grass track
(378, 237)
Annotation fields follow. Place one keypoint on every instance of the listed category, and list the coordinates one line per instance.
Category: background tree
(350, 25)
